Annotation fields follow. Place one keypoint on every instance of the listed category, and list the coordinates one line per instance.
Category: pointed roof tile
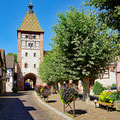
(30, 23)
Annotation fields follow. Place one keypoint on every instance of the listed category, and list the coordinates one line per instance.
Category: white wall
(9, 84)
(109, 81)
(30, 60)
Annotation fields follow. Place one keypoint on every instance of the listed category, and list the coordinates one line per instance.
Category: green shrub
(113, 85)
(115, 96)
(106, 96)
(15, 89)
(97, 88)
(109, 96)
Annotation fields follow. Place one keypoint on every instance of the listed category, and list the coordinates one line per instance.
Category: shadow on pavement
(30, 108)
(91, 97)
(13, 109)
(20, 93)
(77, 112)
(51, 101)
(14, 94)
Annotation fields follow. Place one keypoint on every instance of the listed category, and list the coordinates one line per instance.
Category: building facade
(2, 71)
(30, 49)
(109, 77)
(10, 70)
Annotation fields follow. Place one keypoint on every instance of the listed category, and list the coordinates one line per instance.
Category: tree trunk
(86, 90)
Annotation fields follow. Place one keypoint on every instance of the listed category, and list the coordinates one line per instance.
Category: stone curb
(53, 109)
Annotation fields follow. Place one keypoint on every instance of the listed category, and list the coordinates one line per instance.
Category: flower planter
(67, 96)
(117, 105)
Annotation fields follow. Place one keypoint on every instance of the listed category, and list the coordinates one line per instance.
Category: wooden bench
(104, 104)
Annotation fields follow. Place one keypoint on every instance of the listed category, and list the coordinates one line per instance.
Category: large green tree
(109, 11)
(86, 46)
(51, 69)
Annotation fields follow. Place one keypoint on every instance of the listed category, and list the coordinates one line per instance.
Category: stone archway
(30, 78)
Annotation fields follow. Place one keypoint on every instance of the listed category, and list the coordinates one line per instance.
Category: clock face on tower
(30, 41)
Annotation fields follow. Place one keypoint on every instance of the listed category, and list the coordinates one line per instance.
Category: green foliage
(113, 85)
(15, 89)
(60, 94)
(97, 88)
(109, 11)
(83, 48)
(51, 69)
(115, 96)
(15, 56)
(105, 96)
(85, 44)
(108, 87)
(109, 96)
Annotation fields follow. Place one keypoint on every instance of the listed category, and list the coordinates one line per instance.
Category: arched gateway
(30, 78)
(30, 49)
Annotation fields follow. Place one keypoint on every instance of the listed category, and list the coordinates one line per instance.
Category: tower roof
(30, 22)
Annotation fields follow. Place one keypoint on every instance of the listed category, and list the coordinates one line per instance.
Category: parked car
(112, 89)
(27, 86)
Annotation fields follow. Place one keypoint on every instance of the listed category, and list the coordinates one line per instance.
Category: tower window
(30, 36)
(34, 65)
(26, 36)
(30, 44)
(34, 37)
(26, 54)
(26, 65)
(34, 54)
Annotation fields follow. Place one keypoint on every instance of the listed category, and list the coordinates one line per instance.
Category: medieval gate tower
(30, 49)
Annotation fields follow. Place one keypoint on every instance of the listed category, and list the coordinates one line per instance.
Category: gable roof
(9, 61)
(30, 23)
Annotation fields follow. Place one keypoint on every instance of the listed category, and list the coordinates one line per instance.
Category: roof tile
(30, 23)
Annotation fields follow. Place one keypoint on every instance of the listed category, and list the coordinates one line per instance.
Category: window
(25, 43)
(112, 68)
(26, 36)
(26, 65)
(34, 54)
(34, 37)
(26, 54)
(30, 37)
(30, 44)
(34, 65)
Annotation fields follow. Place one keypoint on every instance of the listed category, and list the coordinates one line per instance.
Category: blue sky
(12, 13)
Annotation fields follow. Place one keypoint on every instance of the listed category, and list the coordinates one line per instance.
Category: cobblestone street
(24, 106)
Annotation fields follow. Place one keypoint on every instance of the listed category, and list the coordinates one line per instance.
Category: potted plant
(15, 89)
(67, 95)
(45, 91)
